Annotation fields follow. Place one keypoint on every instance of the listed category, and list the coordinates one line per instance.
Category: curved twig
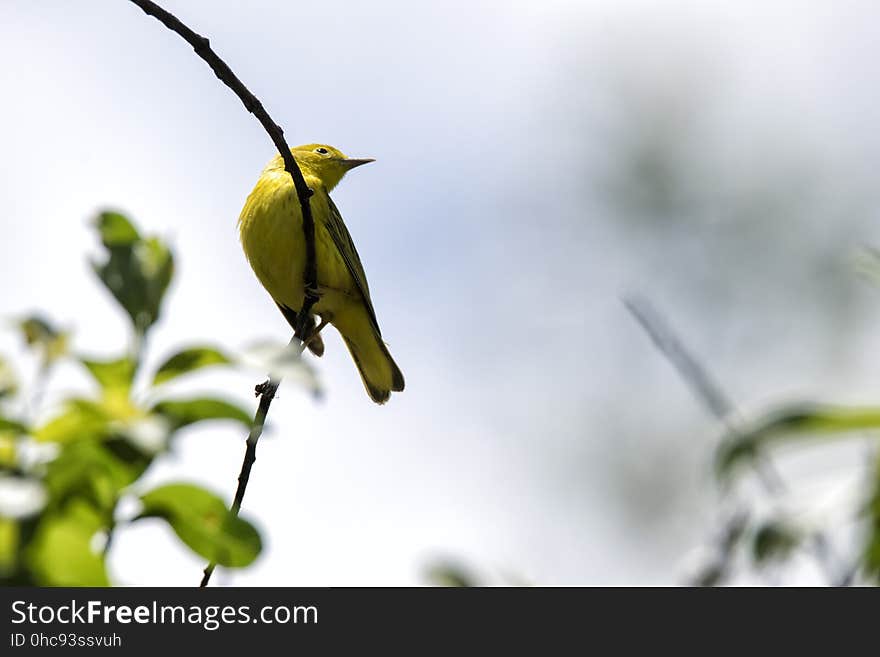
(266, 390)
(252, 104)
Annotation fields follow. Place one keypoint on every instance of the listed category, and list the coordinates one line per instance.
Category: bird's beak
(351, 162)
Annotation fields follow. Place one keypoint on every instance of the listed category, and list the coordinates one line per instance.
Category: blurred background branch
(769, 538)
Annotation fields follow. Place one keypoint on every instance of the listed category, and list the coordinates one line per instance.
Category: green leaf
(201, 520)
(39, 334)
(188, 360)
(8, 380)
(90, 471)
(872, 545)
(449, 574)
(37, 329)
(136, 271)
(181, 413)
(9, 538)
(12, 426)
(10, 430)
(8, 451)
(774, 541)
(116, 229)
(81, 419)
(112, 374)
(61, 552)
(114, 416)
(796, 422)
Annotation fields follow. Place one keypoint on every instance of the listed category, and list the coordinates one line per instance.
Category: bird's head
(326, 163)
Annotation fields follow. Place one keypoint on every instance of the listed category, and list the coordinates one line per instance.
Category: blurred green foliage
(62, 479)
(448, 573)
(795, 422)
(777, 539)
(136, 271)
(774, 541)
(872, 545)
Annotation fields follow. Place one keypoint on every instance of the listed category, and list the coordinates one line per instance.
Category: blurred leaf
(774, 541)
(61, 554)
(112, 374)
(80, 420)
(799, 422)
(41, 335)
(137, 271)
(116, 229)
(11, 426)
(89, 470)
(188, 360)
(119, 408)
(130, 453)
(36, 329)
(8, 450)
(8, 379)
(449, 574)
(9, 537)
(201, 520)
(181, 413)
(87, 419)
(872, 547)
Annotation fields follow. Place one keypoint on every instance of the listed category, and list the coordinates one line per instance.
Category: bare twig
(710, 393)
(266, 390)
(252, 104)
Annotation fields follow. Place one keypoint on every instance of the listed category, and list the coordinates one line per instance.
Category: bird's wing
(345, 246)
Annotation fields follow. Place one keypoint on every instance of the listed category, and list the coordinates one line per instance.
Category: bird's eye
(321, 151)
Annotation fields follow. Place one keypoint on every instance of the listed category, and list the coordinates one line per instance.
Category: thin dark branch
(265, 391)
(710, 393)
(252, 104)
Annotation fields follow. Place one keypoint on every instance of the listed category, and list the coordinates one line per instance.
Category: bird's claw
(312, 293)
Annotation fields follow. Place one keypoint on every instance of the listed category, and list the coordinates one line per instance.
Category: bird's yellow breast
(271, 233)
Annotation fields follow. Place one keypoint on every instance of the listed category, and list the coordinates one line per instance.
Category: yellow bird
(270, 226)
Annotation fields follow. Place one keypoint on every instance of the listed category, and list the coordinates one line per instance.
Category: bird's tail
(378, 370)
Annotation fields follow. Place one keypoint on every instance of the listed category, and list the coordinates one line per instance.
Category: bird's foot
(312, 294)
